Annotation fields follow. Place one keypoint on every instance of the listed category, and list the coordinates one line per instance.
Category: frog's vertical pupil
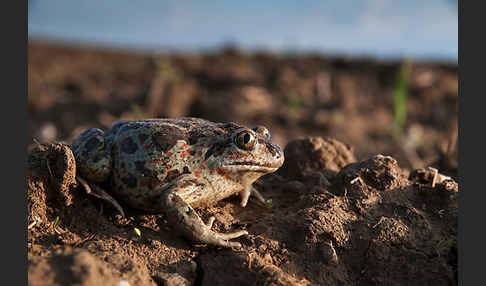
(247, 138)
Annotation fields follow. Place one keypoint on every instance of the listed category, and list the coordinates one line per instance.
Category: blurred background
(379, 75)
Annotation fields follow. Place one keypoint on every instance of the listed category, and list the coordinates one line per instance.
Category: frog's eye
(245, 140)
(262, 130)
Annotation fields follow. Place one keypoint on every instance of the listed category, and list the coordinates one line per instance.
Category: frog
(175, 165)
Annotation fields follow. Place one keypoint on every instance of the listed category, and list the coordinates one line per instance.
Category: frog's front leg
(98, 192)
(183, 217)
(250, 190)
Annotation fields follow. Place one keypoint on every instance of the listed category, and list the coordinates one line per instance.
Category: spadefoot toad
(175, 165)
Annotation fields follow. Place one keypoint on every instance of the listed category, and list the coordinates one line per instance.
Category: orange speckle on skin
(211, 172)
(220, 171)
(203, 167)
(199, 153)
(154, 161)
(169, 153)
(197, 174)
(184, 154)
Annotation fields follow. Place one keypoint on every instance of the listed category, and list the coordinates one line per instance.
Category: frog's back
(147, 154)
(184, 124)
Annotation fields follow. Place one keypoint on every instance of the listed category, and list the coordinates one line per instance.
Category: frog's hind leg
(245, 195)
(93, 156)
(100, 193)
(182, 216)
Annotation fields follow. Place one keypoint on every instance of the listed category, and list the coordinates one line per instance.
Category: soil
(352, 204)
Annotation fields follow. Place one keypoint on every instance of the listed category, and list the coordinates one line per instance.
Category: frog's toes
(222, 239)
(245, 195)
(183, 216)
(101, 194)
(210, 222)
(232, 235)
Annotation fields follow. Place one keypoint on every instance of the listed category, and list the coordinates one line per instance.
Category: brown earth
(341, 213)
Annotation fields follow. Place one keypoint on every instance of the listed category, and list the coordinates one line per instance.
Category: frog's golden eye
(245, 140)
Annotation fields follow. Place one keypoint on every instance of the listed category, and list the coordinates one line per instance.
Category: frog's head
(246, 154)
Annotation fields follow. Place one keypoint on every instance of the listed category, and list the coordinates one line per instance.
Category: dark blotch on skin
(142, 137)
(114, 129)
(129, 180)
(128, 146)
(191, 183)
(193, 137)
(185, 125)
(199, 131)
(132, 126)
(230, 127)
(186, 170)
(154, 181)
(140, 166)
(215, 150)
(167, 138)
(209, 152)
(92, 143)
(152, 175)
(272, 148)
(172, 174)
(97, 158)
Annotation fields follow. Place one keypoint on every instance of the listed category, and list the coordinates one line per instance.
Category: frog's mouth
(251, 167)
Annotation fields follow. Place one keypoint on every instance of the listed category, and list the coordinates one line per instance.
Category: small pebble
(48, 132)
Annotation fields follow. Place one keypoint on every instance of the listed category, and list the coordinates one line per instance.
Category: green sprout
(400, 100)
(268, 204)
(56, 221)
(137, 231)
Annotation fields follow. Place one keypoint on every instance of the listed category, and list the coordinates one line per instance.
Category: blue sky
(381, 28)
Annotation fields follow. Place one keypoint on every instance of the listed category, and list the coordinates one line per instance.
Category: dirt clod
(379, 172)
(69, 267)
(311, 154)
